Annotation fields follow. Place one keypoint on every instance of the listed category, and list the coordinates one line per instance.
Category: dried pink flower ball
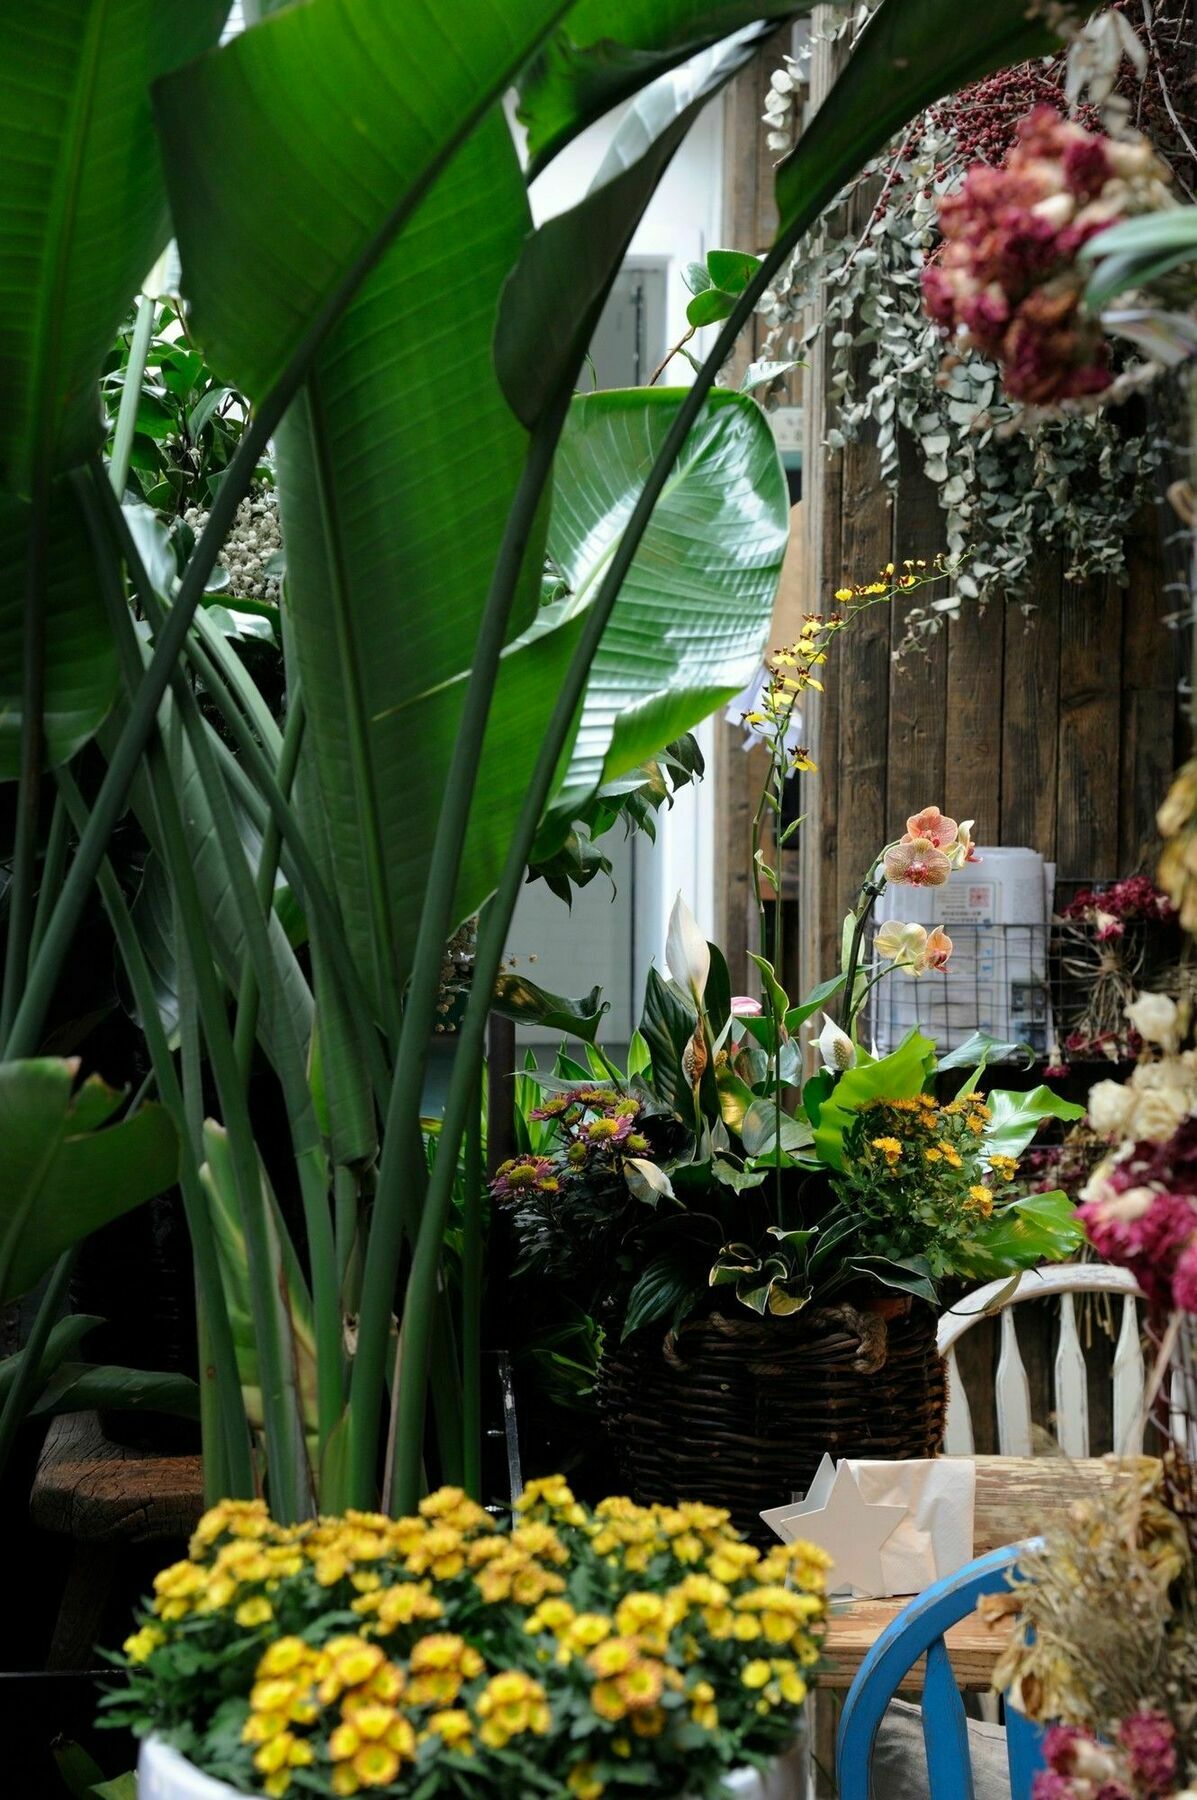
(1149, 1739)
(1007, 281)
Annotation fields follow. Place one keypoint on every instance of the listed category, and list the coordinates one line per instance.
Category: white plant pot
(162, 1774)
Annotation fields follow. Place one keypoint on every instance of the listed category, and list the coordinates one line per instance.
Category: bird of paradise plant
(330, 176)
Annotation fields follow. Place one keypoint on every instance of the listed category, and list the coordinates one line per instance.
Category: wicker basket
(738, 1411)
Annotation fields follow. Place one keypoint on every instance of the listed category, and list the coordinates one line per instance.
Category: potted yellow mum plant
(564, 1652)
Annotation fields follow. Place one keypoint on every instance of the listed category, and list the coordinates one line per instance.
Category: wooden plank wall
(1055, 727)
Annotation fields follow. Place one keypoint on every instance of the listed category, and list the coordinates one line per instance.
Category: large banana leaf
(82, 206)
(604, 50)
(298, 150)
(394, 500)
(64, 1170)
(693, 614)
(81, 673)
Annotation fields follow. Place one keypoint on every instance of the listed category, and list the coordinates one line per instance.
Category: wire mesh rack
(997, 981)
(1060, 987)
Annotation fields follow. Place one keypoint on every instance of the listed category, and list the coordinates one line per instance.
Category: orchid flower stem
(869, 895)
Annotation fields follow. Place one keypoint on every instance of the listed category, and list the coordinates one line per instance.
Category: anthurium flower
(933, 825)
(916, 862)
(743, 1006)
(835, 1046)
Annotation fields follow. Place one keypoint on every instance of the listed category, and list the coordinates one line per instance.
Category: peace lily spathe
(835, 1046)
(162, 1774)
(687, 953)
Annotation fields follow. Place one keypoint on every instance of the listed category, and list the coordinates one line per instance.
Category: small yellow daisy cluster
(923, 1175)
(577, 1642)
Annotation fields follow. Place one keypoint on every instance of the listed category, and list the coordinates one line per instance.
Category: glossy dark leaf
(520, 999)
(83, 209)
(606, 50)
(662, 1291)
(64, 1169)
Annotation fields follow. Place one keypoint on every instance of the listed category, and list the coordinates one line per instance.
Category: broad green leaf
(980, 1049)
(639, 1056)
(912, 1276)
(728, 1174)
(687, 630)
(908, 55)
(520, 999)
(124, 1787)
(370, 474)
(557, 290)
(896, 1077)
(663, 1290)
(759, 1130)
(808, 1007)
(735, 1098)
(86, 1387)
(64, 1170)
(1015, 1118)
(62, 1345)
(81, 671)
(1138, 251)
(83, 210)
(1042, 1228)
(779, 1000)
(295, 153)
(605, 50)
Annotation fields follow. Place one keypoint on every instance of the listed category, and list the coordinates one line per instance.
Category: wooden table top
(1016, 1497)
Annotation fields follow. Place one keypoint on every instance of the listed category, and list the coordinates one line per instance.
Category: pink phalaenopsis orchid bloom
(916, 862)
(932, 825)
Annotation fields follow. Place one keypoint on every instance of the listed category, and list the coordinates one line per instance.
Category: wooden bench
(104, 1496)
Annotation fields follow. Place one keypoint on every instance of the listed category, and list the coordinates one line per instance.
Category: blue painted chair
(917, 1631)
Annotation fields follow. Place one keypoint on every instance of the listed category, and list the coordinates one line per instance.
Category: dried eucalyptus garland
(1073, 483)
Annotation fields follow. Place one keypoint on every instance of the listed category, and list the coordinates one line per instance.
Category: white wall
(612, 940)
(685, 216)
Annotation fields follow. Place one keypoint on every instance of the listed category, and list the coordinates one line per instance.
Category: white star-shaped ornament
(837, 1517)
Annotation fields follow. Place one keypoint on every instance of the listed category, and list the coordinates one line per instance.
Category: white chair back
(1011, 1388)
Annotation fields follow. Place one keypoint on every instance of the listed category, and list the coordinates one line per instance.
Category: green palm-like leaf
(64, 1169)
(83, 209)
(81, 671)
(605, 50)
(297, 151)
(693, 615)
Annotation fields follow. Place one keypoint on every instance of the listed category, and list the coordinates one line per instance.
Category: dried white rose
(1154, 1018)
(1109, 1107)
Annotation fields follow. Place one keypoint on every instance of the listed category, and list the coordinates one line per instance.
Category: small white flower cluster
(1160, 1093)
(254, 538)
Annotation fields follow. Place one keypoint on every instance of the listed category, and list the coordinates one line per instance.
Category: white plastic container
(162, 1774)
(996, 912)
